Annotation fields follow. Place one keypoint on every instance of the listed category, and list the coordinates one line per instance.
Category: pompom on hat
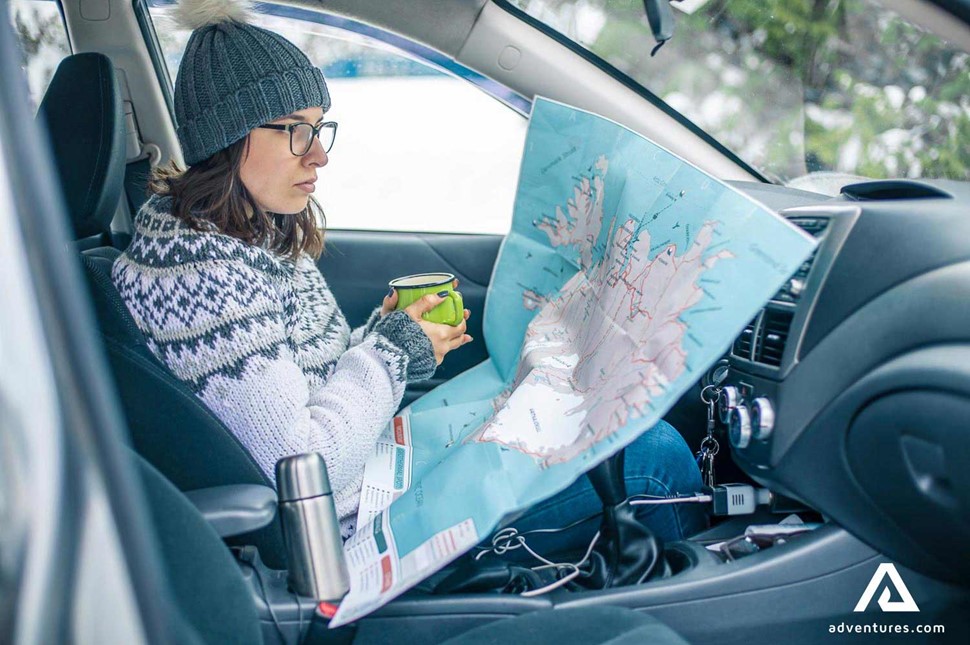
(235, 76)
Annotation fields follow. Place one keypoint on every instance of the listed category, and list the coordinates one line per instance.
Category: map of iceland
(626, 274)
(610, 340)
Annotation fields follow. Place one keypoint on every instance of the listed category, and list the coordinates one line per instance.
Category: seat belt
(137, 171)
(136, 183)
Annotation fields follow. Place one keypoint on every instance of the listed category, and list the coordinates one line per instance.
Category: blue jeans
(658, 462)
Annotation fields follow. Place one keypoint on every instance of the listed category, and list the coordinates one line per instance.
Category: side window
(418, 147)
(43, 42)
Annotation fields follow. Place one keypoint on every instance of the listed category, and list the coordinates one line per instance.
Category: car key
(709, 446)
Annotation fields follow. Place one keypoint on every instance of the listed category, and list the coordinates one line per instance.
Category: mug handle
(459, 308)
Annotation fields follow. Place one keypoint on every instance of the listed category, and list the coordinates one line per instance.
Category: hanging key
(709, 446)
(710, 417)
(709, 450)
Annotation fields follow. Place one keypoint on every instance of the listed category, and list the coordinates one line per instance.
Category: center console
(706, 597)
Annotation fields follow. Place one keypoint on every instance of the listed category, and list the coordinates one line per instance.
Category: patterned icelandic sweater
(263, 343)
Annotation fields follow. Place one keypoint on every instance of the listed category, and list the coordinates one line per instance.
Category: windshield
(793, 87)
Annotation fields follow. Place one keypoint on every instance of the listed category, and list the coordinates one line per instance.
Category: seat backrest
(169, 425)
(83, 115)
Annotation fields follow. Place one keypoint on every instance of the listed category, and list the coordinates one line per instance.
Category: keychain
(709, 446)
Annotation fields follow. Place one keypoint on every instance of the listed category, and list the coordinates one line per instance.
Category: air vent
(763, 340)
(772, 336)
(814, 226)
(745, 341)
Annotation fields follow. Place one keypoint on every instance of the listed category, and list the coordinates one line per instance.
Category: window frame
(142, 12)
(85, 443)
(404, 46)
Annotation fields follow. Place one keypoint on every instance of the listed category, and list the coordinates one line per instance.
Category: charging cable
(558, 583)
(509, 539)
(697, 498)
(248, 554)
(726, 499)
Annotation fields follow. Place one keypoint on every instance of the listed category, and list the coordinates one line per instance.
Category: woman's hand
(390, 300)
(390, 303)
(444, 338)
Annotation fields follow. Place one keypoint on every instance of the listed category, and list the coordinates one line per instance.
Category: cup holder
(679, 558)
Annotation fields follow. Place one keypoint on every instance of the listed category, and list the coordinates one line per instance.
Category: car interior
(846, 396)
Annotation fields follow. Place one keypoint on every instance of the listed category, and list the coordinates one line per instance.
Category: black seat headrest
(83, 114)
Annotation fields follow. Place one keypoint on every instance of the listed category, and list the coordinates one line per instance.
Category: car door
(423, 171)
(75, 563)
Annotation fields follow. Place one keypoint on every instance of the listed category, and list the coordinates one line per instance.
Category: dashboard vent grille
(772, 336)
(763, 340)
(814, 226)
(745, 341)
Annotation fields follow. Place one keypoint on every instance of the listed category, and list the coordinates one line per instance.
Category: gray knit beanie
(235, 76)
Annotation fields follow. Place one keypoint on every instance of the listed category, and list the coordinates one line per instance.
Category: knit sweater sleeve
(272, 411)
(228, 339)
(398, 328)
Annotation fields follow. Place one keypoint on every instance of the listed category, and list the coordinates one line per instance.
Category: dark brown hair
(211, 194)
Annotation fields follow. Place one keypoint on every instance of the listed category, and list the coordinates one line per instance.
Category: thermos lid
(302, 477)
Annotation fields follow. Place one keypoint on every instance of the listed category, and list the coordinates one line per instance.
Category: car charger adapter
(738, 499)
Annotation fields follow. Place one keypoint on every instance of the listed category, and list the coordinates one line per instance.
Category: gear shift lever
(627, 552)
(607, 479)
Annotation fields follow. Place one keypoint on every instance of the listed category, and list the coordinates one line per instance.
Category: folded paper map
(628, 272)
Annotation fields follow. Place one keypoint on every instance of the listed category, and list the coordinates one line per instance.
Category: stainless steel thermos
(311, 530)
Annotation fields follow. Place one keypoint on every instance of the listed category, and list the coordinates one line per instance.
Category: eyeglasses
(302, 134)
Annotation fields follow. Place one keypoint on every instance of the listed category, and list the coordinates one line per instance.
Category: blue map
(627, 274)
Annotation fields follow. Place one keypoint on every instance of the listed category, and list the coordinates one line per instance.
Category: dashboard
(850, 390)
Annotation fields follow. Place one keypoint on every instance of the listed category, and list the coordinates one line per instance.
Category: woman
(221, 274)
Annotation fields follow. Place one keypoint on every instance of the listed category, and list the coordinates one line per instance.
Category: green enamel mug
(411, 288)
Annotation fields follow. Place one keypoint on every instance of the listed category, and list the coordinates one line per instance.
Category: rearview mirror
(661, 19)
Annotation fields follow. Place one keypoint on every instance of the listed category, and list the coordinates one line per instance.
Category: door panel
(359, 264)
